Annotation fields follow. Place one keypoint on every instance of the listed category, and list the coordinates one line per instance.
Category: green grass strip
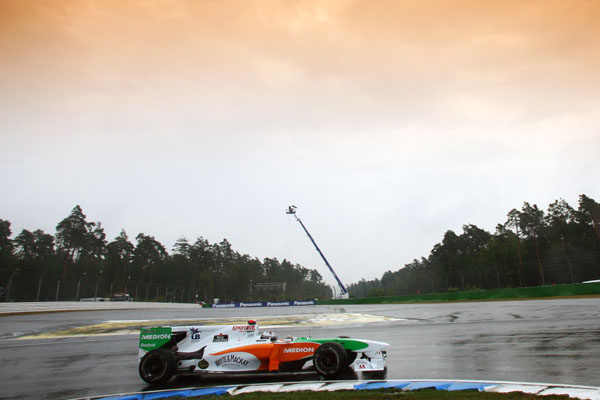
(537, 292)
(388, 394)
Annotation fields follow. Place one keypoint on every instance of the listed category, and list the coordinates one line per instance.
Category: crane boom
(292, 210)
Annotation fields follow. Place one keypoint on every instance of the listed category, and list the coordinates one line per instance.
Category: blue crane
(292, 211)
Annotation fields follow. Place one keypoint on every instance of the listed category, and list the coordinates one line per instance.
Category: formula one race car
(166, 351)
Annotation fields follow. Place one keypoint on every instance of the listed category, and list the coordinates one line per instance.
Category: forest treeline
(530, 248)
(78, 262)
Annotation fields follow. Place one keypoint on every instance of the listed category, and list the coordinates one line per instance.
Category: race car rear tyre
(158, 366)
(330, 359)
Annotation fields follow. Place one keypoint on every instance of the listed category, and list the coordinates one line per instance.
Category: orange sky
(401, 51)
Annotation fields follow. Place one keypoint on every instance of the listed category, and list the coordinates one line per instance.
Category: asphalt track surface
(551, 341)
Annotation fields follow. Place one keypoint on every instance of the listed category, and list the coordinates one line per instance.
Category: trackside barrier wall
(577, 289)
(265, 304)
(541, 389)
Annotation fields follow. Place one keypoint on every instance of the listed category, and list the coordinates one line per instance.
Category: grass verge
(527, 293)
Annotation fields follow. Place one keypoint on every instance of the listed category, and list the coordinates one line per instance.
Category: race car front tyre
(158, 366)
(349, 353)
(330, 359)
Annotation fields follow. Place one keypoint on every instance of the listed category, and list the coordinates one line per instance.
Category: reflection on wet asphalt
(551, 341)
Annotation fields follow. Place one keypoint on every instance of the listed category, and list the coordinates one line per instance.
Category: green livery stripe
(348, 344)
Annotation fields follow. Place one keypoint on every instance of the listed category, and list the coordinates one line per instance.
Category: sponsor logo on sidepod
(231, 359)
(244, 328)
(156, 336)
(235, 361)
(195, 333)
(221, 338)
(298, 350)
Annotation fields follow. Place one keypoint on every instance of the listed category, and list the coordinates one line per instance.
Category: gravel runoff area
(62, 306)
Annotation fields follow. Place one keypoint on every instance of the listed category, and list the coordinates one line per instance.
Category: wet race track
(550, 341)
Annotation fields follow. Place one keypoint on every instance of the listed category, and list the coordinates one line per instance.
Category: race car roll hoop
(167, 351)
